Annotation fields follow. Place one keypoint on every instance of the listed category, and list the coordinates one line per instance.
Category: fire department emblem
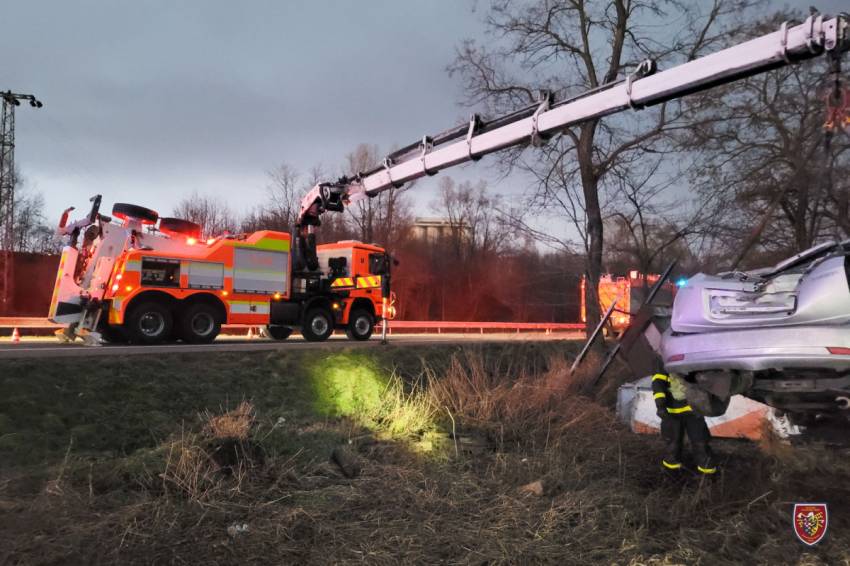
(810, 522)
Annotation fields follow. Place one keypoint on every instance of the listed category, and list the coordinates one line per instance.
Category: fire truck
(629, 293)
(121, 280)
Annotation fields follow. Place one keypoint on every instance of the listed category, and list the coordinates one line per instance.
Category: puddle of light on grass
(350, 385)
(347, 385)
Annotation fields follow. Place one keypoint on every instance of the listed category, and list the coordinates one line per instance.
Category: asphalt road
(50, 348)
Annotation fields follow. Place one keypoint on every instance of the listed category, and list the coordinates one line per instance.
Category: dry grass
(522, 403)
(234, 424)
(404, 411)
(190, 469)
(604, 498)
(215, 462)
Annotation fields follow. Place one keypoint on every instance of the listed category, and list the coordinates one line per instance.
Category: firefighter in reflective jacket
(678, 419)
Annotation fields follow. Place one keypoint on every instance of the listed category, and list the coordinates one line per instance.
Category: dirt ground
(447, 455)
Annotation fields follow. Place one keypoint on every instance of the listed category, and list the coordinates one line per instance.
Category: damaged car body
(779, 335)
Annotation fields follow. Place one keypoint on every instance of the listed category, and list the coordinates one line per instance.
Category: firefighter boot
(700, 437)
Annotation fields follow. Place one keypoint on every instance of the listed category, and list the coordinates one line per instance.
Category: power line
(7, 190)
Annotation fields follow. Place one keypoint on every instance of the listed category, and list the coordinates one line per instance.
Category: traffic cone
(16, 336)
(250, 333)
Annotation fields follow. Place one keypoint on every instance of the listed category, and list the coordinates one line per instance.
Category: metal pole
(384, 320)
(7, 190)
(385, 296)
(7, 202)
(593, 336)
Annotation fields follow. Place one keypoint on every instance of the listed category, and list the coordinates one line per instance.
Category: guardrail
(440, 326)
(26, 322)
(423, 326)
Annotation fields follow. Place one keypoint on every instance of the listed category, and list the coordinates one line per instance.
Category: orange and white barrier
(744, 418)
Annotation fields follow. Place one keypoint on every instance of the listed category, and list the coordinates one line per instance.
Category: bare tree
(283, 198)
(650, 219)
(284, 194)
(30, 231)
(384, 218)
(569, 46)
(213, 214)
(766, 164)
(476, 225)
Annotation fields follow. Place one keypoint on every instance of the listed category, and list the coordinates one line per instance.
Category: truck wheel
(318, 325)
(279, 332)
(360, 325)
(199, 324)
(149, 323)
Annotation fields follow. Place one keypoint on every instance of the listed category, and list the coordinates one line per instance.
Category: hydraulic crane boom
(816, 36)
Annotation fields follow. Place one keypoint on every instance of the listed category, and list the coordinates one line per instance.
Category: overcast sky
(146, 101)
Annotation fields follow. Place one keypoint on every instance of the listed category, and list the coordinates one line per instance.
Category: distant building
(432, 229)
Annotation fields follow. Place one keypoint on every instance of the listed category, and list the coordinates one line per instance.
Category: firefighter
(678, 419)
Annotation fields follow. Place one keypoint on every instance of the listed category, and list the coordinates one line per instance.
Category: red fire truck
(629, 292)
(123, 280)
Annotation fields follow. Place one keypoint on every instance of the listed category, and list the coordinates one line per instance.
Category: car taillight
(839, 350)
(676, 358)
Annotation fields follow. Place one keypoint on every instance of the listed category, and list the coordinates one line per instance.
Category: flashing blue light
(681, 282)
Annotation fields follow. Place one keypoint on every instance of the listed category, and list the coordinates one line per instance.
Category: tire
(149, 322)
(180, 226)
(361, 324)
(318, 325)
(199, 323)
(122, 210)
(279, 332)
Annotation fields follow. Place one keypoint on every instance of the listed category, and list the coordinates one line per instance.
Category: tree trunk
(590, 188)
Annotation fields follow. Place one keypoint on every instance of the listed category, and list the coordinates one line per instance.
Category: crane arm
(535, 124)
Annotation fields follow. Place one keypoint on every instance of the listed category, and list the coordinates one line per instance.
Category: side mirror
(379, 264)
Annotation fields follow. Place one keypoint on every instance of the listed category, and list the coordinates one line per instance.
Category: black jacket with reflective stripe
(663, 398)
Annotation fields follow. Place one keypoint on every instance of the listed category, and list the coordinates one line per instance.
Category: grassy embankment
(158, 460)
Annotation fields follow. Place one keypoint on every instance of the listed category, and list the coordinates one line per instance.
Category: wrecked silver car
(780, 335)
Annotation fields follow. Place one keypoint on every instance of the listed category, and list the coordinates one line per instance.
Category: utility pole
(7, 191)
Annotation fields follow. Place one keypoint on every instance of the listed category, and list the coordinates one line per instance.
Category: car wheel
(199, 324)
(318, 325)
(149, 323)
(361, 324)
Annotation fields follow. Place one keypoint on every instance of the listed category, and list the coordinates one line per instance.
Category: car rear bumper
(759, 349)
